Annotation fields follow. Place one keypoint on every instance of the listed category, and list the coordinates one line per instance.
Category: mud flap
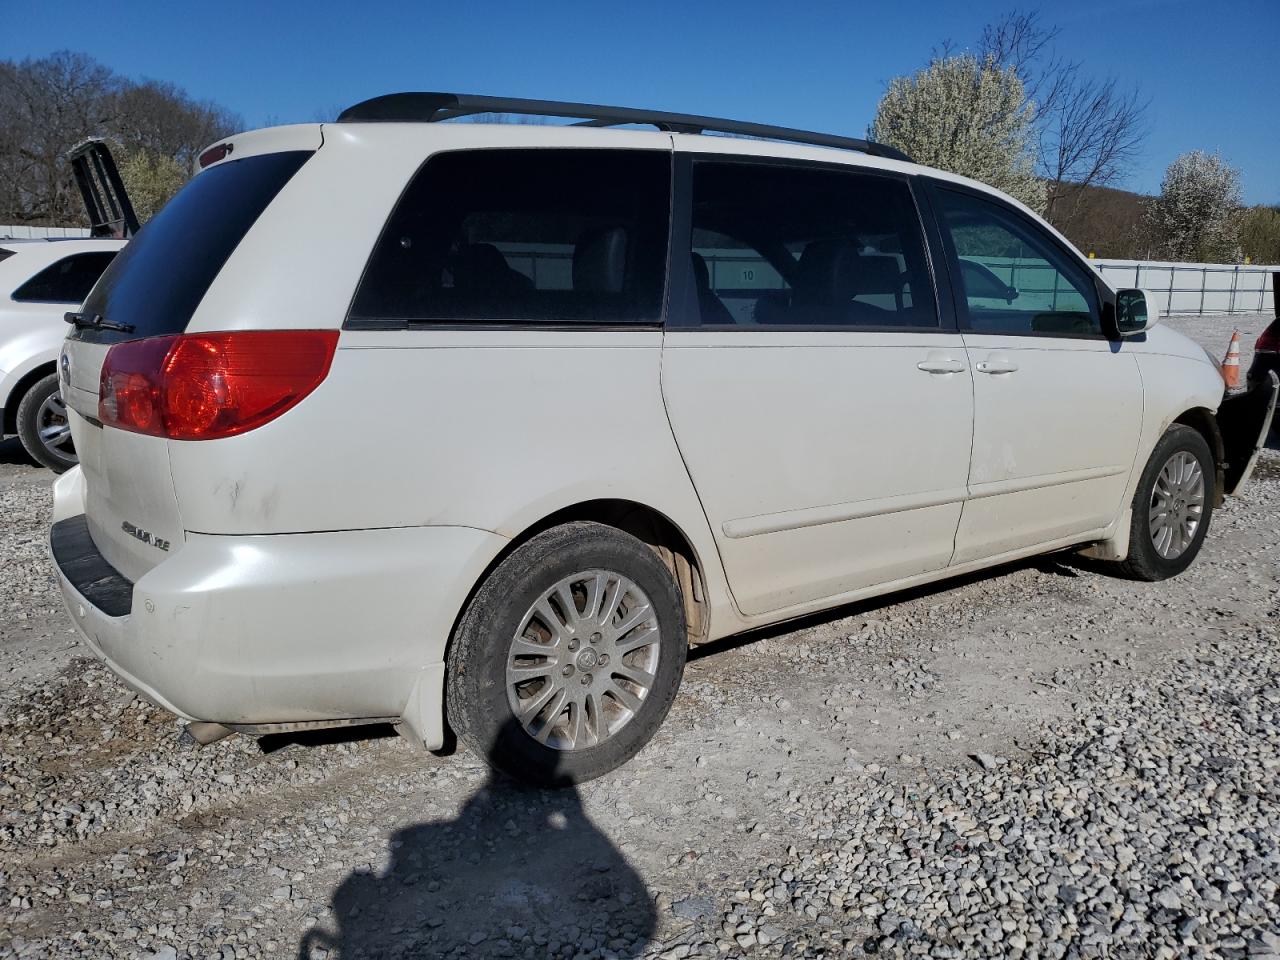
(422, 723)
(1244, 420)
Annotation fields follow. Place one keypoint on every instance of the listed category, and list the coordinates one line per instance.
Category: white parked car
(479, 427)
(40, 280)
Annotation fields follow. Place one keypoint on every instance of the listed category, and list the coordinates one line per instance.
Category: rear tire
(43, 427)
(1172, 507)
(519, 643)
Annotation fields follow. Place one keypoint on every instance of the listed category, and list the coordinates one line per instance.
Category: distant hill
(1104, 221)
(1110, 223)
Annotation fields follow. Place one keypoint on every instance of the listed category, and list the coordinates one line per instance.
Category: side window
(67, 281)
(787, 245)
(1016, 279)
(524, 235)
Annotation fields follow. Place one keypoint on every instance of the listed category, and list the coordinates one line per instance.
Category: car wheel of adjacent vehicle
(568, 657)
(1172, 506)
(43, 426)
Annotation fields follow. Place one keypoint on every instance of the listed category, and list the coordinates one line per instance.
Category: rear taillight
(1269, 342)
(203, 386)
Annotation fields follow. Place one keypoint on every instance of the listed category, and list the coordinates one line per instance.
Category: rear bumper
(279, 629)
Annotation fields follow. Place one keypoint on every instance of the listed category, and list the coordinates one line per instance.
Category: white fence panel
(24, 232)
(1196, 287)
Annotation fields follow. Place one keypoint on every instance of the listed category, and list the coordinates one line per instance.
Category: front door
(1057, 405)
(821, 406)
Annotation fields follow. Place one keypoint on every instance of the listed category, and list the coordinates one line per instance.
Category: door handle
(940, 366)
(996, 366)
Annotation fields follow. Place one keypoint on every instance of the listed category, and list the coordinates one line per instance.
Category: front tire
(568, 657)
(43, 426)
(1171, 507)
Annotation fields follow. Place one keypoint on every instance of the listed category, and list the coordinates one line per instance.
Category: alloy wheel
(583, 660)
(1177, 505)
(53, 426)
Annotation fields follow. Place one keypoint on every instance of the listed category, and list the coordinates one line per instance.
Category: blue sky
(1209, 69)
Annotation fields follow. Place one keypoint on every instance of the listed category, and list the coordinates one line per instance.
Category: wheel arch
(646, 524)
(652, 527)
(1204, 422)
(19, 390)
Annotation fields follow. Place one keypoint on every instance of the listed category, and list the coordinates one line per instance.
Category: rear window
(161, 276)
(523, 236)
(69, 280)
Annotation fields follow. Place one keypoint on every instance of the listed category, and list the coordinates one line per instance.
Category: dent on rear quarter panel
(489, 429)
(493, 430)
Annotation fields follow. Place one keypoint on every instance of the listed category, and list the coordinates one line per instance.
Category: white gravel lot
(1038, 762)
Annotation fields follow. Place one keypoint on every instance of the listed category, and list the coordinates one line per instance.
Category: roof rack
(434, 107)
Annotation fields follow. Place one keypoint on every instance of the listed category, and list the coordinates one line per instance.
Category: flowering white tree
(1196, 215)
(967, 116)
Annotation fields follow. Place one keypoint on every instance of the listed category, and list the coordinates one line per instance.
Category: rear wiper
(95, 321)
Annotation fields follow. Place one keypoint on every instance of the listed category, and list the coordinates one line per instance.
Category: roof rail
(433, 107)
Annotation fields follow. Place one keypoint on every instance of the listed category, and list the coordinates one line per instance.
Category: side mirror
(1136, 312)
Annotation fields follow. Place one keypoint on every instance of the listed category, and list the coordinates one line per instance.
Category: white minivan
(477, 427)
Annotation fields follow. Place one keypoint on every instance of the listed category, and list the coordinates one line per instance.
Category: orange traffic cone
(1231, 363)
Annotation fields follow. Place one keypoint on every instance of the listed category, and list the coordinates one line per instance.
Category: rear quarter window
(523, 236)
(68, 280)
(160, 277)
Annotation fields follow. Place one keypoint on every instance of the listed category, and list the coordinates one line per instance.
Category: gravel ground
(1038, 762)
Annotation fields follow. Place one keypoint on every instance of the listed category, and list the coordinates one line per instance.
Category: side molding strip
(859, 509)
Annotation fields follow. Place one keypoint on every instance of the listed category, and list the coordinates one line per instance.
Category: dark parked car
(1266, 353)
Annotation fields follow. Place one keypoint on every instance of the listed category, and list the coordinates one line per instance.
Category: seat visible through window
(807, 246)
(513, 236)
(713, 310)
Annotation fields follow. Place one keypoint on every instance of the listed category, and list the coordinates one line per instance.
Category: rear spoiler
(105, 198)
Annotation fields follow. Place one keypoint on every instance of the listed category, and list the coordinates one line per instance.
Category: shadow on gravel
(274, 742)
(13, 452)
(519, 872)
(862, 608)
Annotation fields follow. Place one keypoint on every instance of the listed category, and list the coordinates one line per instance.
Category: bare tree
(46, 107)
(49, 105)
(161, 119)
(1089, 130)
